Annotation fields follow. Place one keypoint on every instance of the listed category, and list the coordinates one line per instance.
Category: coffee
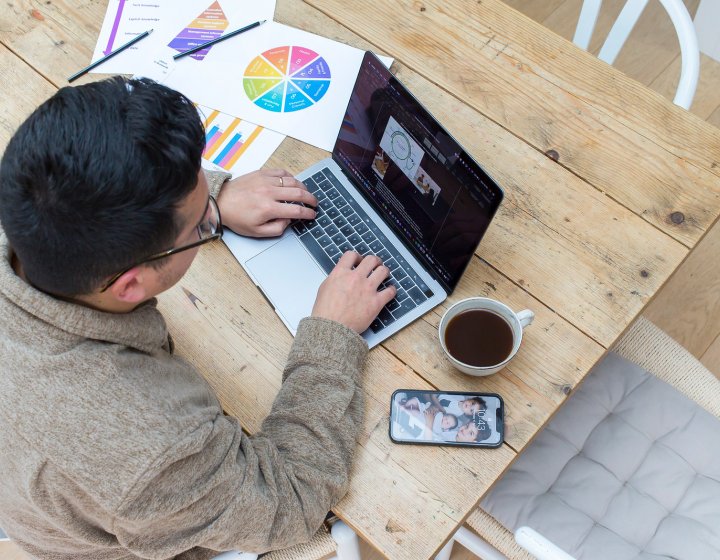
(479, 338)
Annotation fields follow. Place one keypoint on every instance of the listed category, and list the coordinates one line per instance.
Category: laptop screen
(435, 196)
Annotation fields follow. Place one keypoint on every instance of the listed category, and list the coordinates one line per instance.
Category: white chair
(340, 543)
(689, 50)
(628, 465)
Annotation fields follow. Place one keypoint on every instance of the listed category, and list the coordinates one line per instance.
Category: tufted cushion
(629, 468)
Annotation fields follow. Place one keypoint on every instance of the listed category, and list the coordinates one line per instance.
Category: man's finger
(292, 212)
(348, 260)
(275, 173)
(368, 264)
(294, 194)
(272, 228)
(379, 274)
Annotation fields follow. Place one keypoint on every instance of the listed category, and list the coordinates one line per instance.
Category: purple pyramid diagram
(207, 26)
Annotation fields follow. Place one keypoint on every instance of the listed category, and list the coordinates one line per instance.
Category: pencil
(218, 39)
(110, 55)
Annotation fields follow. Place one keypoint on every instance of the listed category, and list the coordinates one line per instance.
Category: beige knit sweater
(111, 447)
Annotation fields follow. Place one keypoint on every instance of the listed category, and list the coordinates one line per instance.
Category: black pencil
(109, 56)
(221, 38)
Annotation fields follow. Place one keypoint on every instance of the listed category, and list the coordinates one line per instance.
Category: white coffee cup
(516, 321)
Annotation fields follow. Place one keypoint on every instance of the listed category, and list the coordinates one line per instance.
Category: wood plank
(711, 357)
(707, 96)
(688, 306)
(15, 108)
(601, 142)
(56, 37)
(714, 119)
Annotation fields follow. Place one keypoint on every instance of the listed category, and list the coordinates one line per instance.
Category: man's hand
(349, 295)
(255, 204)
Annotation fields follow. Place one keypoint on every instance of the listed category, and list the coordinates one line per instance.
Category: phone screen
(446, 418)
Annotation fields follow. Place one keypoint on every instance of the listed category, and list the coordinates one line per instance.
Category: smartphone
(447, 418)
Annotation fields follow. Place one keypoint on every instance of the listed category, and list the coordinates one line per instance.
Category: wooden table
(608, 187)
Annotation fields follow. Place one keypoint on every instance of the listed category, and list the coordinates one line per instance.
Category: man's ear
(132, 287)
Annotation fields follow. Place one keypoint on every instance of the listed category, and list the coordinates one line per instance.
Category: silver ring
(281, 182)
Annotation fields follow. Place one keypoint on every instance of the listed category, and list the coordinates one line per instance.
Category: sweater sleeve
(216, 179)
(219, 489)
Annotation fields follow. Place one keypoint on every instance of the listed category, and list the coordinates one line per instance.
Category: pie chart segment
(261, 68)
(273, 99)
(279, 58)
(287, 79)
(318, 68)
(254, 88)
(314, 89)
(301, 57)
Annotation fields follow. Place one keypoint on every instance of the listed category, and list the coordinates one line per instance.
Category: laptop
(398, 186)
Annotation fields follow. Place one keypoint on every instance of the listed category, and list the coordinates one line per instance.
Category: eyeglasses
(208, 230)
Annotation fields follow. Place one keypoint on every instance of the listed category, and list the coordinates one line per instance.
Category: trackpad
(290, 278)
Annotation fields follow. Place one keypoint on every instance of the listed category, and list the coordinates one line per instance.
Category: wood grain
(15, 108)
(539, 92)
(688, 307)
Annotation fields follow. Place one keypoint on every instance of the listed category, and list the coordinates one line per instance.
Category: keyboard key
(393, 304)
(331, 230)
(340, 203)
(353, 219)
(324, 241)
(399, 274)
(354, 239)
(375, 246)
(368, 236)
(345, 247)
(311, 186)
(391, 264)
(325, 204)
(401, 295)
(384, 255)
(336, 258)
(361, 228)
(416, 295)
(316, 251)
(407, 283)
(362, 249)
(299, 227)
(333, 213)
(385, 317)
(376, 326)
(332, 194)
(317, 232)
(340, 221)
(332, 250)
(347, 230)
(324, 221)
(338, 239)
(405, 306)
(346, 210)
(317, 177)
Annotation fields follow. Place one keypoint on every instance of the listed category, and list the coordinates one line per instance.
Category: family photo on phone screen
(446, 418)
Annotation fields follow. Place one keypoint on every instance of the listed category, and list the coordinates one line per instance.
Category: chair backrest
(625, 23)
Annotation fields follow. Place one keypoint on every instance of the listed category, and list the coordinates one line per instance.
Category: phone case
(452, 418)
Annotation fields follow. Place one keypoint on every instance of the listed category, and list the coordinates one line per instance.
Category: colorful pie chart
(286, 79)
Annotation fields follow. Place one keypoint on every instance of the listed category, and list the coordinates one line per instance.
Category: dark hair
(90, 182)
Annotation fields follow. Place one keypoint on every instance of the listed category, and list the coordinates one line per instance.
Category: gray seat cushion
(629, 468)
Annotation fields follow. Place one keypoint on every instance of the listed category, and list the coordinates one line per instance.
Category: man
(112, 447)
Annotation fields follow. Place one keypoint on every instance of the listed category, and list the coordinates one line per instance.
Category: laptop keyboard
(342, 225)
